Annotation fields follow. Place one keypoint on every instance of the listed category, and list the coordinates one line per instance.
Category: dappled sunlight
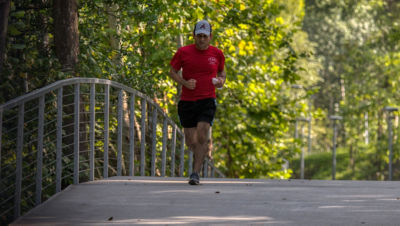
(374, 199)
(154, 180)
(232, 182)
(364, 198)
(140, 181)
(389, 199)
(354, 200)
(175, 191)
(161, 201)
(358, 196)
(205, 220)
(335, 207)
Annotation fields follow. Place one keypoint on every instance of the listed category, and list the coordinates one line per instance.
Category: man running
(202, 71)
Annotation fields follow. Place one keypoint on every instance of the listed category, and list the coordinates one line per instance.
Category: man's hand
(220, 79)
(190, 84)
(218, 82)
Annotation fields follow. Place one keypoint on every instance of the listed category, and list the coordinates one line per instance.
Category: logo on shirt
(212, 61)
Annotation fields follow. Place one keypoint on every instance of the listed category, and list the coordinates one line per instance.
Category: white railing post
(164, 147)
(59, 139)
(212, 171)
(205, 168)
(18, 172)
(132, 137)
(143, 138)
(76, 133)
(190, 162)
(119, 134)
(154, 142)
(173, 146)
(39, 158)
(182, 157)
(106, 129)
(92, 120)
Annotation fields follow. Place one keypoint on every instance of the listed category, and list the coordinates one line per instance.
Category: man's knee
(190, 143)
(203, 129)
(190, 137)
(202, 138)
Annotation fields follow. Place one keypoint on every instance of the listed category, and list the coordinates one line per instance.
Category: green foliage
(133, 41)
(350, 68)
(358, 45)
(318, 166)
(254, 111)
(29, 62)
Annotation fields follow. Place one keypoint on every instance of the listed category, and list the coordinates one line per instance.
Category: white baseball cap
(202, 27)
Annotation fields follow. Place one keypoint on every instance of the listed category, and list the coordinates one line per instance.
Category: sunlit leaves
(358, 42)
(254, 110)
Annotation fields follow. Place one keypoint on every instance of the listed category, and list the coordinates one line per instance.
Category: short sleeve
(221, 61)
(176, 61)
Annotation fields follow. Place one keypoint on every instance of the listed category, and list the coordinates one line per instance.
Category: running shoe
(194, 179)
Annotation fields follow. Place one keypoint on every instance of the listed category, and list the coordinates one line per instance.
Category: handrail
(68, 131)
(36, 93)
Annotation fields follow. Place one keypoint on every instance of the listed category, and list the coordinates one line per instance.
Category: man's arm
(221, 76)
(190, 84)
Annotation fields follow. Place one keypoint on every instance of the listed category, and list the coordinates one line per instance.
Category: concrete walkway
(163, 201)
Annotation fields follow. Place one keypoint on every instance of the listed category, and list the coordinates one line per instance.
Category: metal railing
(83, 129)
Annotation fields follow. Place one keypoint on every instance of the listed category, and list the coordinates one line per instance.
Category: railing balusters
(182, 157)
(212, 171)
(39, 158)
(154, 142)
(143, 138)
(76, 133)
(18, 171)
(106, 128)
(59, 139)
(173, 146)
(164, 147)
(132, 137)
(92, 129)
(205, 168)
(119, 134)
(149, 112)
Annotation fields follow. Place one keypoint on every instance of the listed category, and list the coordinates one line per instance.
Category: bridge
(93, 151)
(166, 201)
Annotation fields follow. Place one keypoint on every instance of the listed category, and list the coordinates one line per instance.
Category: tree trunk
(66, 34)
(66, 41)
(44, 46)
(115, 41)
(180, 44)
(4, 11)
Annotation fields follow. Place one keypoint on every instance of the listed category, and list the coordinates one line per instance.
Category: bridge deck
(150, 200)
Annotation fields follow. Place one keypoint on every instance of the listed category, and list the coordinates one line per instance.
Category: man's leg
(201, 147)
(190, 137)
(209, 144)
(191, 142)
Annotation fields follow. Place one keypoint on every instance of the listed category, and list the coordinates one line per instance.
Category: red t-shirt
(201, 65)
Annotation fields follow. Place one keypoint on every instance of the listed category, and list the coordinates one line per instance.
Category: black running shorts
(192, 112)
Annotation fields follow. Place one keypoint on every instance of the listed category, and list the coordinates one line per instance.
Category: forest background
(286, 60)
